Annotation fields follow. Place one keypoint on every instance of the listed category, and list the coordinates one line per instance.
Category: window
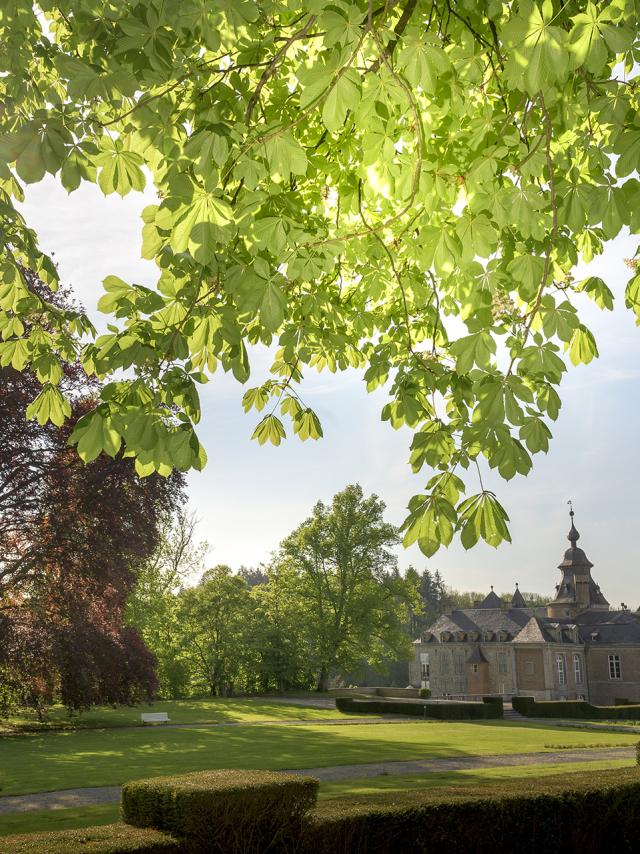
(529, 667)
(615, 671)
(502, 662)
(458, 665)
(444, 664)
(474, 668)
(425, 670)
(577, 669)
(562, 673)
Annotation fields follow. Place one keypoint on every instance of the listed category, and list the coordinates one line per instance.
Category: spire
(577, 590)
(573, 536)
(518, 599)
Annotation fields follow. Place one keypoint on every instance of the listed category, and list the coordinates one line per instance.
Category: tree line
(330, 600)
(330, 605)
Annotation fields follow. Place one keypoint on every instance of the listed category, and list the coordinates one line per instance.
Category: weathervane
(570, 503)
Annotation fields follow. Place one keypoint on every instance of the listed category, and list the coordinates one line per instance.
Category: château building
(576, 647)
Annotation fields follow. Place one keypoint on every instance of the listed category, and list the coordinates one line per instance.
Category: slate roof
(492, 600)
(483, 620)
(612, 627)
(533, 632)
(518, 599)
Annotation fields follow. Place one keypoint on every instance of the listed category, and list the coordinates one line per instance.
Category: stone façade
(574, 648)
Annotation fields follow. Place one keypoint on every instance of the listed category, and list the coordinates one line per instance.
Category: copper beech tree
(71, 536)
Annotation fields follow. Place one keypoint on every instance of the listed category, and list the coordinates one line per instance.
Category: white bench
(154, 718)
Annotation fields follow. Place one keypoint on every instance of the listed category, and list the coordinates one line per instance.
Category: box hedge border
(577, 812)
(575, 709)
(489, 708)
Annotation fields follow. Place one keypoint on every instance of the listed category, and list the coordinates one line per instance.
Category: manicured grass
(66, 819)
(41, 821)
(205, 710)
(63, 760)
(468, 777)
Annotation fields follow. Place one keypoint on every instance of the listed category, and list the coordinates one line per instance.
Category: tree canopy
(71, 537)
(403, 188)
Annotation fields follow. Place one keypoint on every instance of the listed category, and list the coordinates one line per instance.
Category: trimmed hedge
(570, 813)
(576, 709)
(497, 703)
(575, 812)
(440, 711)
(223, 811)
(106, 839)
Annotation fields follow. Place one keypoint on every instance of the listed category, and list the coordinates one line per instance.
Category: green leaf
(93, 434)
(344, 96)
(270, 429)
(535, 433)
(527, 270)
(627, 146)
(582, 348)
(586, 41)
(49, 405)
(255, 398)
(285, 155)
(431, 523)
(307, 425)
(509, 456)
(121, 169)
(423, 63)
(474, 349)
(201, 225)
(597, 289)
(482, 516)
(491, 404)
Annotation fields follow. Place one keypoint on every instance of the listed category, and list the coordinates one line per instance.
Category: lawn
(202, 711)
(62, 760)
(67, 819)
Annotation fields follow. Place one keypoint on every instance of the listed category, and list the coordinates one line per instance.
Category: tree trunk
(323, 680)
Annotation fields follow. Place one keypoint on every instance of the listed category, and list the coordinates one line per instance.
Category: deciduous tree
(353, 606)
(153, 606)
(341, 180)
(71, 535)
(215, 617)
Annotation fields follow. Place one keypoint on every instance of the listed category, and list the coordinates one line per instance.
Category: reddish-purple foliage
(71, 536)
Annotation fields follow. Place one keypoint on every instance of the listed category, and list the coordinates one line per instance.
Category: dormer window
(460, 636)
(445, 637)
(474, 636)
(488, 636)
(595, 636)
(503, 636)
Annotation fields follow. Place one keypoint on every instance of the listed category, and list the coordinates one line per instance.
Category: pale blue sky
(249, 497)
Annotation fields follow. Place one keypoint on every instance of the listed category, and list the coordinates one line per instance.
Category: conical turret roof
(517, 600)
(490, 601)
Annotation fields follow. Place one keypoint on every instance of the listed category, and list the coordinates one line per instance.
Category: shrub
(574, 813)
(441, 711)
(497, 703)
(223, 811)
(106, 839)
(424, 693)
(577, 709)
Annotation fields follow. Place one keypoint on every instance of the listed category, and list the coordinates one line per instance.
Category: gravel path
(110, 794)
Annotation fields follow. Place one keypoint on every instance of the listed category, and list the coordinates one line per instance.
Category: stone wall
(603, 691)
